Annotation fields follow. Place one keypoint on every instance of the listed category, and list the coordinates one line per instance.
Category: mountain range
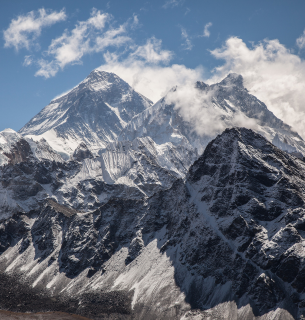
(112, 207)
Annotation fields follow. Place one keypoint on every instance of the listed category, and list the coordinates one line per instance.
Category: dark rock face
(263, 185)
(266, 292)
(84, 182)
(82, 152)
(12, 230)
(22, 298)
(233, 232)
(20, 152)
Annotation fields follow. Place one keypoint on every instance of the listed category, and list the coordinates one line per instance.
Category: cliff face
(226, 243)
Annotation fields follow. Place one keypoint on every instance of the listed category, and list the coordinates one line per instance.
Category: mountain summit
(233, 79)
(94, 112)
(104, 108)
(194, 116)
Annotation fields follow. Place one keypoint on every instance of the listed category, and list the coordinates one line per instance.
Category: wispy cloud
(187, 45)
(206, 31)
(90, 36)
(172, 3)
(152, 52)
(28, 60)
(301, 41)
(25, 29)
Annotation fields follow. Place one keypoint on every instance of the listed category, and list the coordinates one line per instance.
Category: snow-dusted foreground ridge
(226, 243)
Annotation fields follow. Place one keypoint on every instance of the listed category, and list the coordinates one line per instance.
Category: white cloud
(197, 107)
(147, 70)
(47, 69)
(135, 21)
(271, 73)
(87, 37)
(151, 52)
(26, 28)
(206, 31)
(28, 60)
(188, 43)
(172, 3)
(301, 41)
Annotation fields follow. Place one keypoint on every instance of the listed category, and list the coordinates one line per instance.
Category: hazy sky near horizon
(49, 47)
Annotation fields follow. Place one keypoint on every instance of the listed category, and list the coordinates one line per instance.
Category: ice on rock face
(88, 179)
(8, 137)
(233, 79)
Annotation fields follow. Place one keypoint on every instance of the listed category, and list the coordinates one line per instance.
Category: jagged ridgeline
(116, 208)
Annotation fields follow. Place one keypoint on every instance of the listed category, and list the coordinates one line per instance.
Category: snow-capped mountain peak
(233, 79)
(94, 112)
(185, 114)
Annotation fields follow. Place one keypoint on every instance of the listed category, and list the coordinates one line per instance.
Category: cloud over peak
(148, 71)
(271, 72)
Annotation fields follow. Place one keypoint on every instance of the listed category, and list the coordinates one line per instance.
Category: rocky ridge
(226, 243)
(128, 170)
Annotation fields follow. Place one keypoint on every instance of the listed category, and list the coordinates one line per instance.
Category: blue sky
(48, 47)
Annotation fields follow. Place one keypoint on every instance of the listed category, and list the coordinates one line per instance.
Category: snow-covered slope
(19, 190)
(15, 148)
(228, 103)
(228, 243)
(94, 112)
(134, 169)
